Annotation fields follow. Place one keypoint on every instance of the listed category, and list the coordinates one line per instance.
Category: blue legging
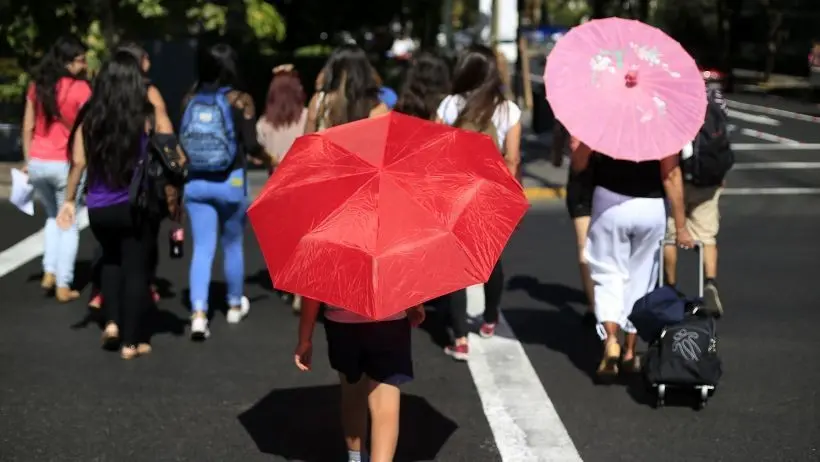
(216, 208)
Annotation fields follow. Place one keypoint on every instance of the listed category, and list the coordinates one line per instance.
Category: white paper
(22, 192)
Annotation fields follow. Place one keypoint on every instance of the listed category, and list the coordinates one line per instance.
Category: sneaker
(458, 352)
(487, 329)
(199, 328)
(711, 299)
(237, 314)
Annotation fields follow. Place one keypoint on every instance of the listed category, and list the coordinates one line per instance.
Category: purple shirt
(102, 195)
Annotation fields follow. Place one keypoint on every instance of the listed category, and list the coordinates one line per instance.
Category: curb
(542, 194)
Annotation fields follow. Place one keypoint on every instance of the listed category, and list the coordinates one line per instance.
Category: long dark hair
(136, 51)
(113, 121)
(286, 100)
(350, 77)
(478, 80)
(50, 70)
(427, 83)
(217, 66)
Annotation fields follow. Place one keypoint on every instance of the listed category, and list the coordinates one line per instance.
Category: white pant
(622, 251)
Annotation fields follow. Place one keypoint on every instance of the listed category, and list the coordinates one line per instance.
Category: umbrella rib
(309, 232)
(427, 144)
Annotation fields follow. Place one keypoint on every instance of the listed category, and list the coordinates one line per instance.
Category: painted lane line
(771, 191)
(752, 118)
(31, 247)
(768, 137)
(524, 422)
(776, 165)
(775, 147)
(774, 111)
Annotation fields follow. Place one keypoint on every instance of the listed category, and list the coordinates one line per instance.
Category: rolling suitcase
(684, 353)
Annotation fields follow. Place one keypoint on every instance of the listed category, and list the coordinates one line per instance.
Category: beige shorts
(702, 215)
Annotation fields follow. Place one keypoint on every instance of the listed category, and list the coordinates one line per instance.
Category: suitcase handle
(698, 248)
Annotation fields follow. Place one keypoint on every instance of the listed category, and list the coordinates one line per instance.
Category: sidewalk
(755, 82)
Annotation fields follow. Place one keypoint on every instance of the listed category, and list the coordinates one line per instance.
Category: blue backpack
(207, 134)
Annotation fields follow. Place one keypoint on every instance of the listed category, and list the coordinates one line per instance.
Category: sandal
(631, 365)
(111, 336)
(129, 352)
(608, 368)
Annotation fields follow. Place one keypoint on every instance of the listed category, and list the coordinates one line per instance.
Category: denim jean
(214, 208)
(49, 179)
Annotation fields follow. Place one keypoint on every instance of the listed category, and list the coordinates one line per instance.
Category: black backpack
(712, 157)
(685, 354)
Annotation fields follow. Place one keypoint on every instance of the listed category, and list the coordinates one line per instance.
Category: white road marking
(752, 118)
(768, 136)
(30, 248)
(774, 111)
(771, 191)
(524, 422)
(775, 147)
(776, 165)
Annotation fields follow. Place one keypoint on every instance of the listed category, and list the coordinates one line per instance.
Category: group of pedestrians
(621, 212)
(86, 145)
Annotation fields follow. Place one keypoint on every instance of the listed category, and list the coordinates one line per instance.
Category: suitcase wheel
(661, 395)
(704, 397)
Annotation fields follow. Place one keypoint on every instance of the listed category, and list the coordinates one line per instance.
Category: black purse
(159, 177)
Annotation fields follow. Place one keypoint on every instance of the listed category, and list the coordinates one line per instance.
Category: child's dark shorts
(379, 350)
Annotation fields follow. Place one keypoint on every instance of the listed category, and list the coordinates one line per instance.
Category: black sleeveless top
(634, 179)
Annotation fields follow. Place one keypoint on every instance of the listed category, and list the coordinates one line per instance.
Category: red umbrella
(382, 214)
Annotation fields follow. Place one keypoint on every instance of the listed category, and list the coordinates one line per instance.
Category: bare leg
(354, 412)
(385, 403)
(630, 343)
(581, 228)
(710, 261)
(612, 351)
(670, 264)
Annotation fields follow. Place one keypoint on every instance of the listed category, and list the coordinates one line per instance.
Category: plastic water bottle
(176, 240)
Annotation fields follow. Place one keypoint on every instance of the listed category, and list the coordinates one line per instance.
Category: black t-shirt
(634, 179)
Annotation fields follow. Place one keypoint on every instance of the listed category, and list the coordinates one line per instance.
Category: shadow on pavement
(304, 424)
(437, 321)
(561, 328)
(160, 321)
(261, 279)
(217, 298)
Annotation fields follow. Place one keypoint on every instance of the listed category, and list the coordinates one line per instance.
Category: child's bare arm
(307, 320)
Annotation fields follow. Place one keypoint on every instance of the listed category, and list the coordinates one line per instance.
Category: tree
(28, 28)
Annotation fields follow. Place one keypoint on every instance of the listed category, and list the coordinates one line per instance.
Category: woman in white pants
(623, 243)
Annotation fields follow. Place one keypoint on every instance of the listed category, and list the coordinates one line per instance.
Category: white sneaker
(234, 316)
(199, 328)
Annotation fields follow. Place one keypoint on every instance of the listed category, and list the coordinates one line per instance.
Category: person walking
(627, 224)
(478, 100)
(52, 103)
(218, 130)
(706, 161)
(110, 136)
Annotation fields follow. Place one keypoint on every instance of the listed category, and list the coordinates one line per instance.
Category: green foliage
(208, 16)
(567, 12)
(313, 51)
(264, 20)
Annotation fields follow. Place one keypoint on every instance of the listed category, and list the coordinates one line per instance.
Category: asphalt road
(238, 397)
